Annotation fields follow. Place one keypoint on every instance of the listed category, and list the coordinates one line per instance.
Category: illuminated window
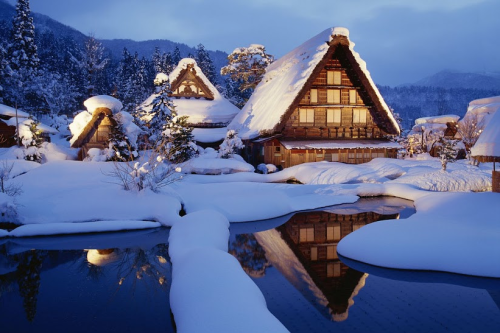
(333, 96)
(314, 253)
(353, 97)
(333, 269)
(359, 116)
(333, 115)
(331, 252)
(334, 78)
(314, 95)
(335, 157)
(333, 232)
(306, 115)
(306, 235)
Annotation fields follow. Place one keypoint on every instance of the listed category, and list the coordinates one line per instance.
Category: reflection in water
(249, 253)
(101, 284)
(304, 250)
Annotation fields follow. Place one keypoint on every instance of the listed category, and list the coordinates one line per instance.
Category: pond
(120, 281)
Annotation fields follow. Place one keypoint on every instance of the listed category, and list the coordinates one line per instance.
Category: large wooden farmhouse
(195, 96)
(317, 103)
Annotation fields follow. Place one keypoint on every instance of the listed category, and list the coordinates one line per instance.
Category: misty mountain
(114, 47)
(453, 79)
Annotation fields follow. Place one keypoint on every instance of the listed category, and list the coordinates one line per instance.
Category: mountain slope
(452, 79)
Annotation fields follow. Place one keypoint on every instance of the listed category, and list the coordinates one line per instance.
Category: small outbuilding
(92, 128)
(487, 148)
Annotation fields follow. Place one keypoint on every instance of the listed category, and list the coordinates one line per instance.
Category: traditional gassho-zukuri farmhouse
(487, 148)
(195, 96)
(317, 103)
(92, 128)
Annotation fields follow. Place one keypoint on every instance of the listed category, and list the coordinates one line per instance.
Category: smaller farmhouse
(195, 96)
(317, 103)
(92, 128)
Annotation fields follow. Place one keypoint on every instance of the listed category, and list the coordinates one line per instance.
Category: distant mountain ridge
(453, 79)
(114, 46)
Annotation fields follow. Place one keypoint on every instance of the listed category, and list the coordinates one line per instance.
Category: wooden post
(17, 129)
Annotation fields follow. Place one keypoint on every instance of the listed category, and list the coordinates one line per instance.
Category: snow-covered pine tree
(23, 57)
(167, 63)
(230, 145)
(180, 140)
(162, 110)
(123, 150)
(157, 60)
(31, 141)
(206, 64)
(447, 151)
(247, 65)
(176, 56)
(91, 62)
(5, 71)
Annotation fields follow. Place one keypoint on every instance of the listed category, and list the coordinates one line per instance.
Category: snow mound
(488, 143)
(103, 101)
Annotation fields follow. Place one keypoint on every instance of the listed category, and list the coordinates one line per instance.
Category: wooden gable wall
(190, 85)
(332, 106)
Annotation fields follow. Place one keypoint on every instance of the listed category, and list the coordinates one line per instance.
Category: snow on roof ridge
(103, 101)
(285, 78)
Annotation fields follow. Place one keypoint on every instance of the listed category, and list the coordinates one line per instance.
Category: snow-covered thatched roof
(285, 80)
(487, 147)
(216, 110)
(484, 108)
(11, 112)
(103, 101)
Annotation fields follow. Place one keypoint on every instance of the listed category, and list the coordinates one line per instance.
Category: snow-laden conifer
(231, 144)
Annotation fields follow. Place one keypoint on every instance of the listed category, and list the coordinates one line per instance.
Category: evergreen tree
(206, 64)
(157, 60)
(28, 280)
(176, 56)
(246, 67)
(230, 145)
(123, 150)
(447, 151)
(162, 111)
(168, 63)
(180, 140)
(5, 72)
(91, 62)
(31, 140)
(23, 57)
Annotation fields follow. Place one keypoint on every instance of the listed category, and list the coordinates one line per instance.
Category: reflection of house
(313, 239)
(196, 97)
(317, 103)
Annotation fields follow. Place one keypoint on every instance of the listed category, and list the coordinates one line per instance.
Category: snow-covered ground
(451, 231)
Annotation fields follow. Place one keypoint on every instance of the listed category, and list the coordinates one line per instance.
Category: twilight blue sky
(401, 40)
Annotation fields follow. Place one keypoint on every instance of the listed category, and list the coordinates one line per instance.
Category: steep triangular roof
(215, 110)
(287, 79)
(187, 71)
(88, 131)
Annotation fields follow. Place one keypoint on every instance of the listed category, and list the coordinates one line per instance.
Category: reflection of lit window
(333, 233)
(333, 269)
(314, 253)
(356, 227)
(331, 252)
(306, 234)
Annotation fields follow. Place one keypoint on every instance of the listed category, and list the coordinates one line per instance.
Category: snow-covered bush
(447, 151)
(31, 140)
(8, 208)
(5, 175)
(230, 145)
(266, 168)
(138, 176)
